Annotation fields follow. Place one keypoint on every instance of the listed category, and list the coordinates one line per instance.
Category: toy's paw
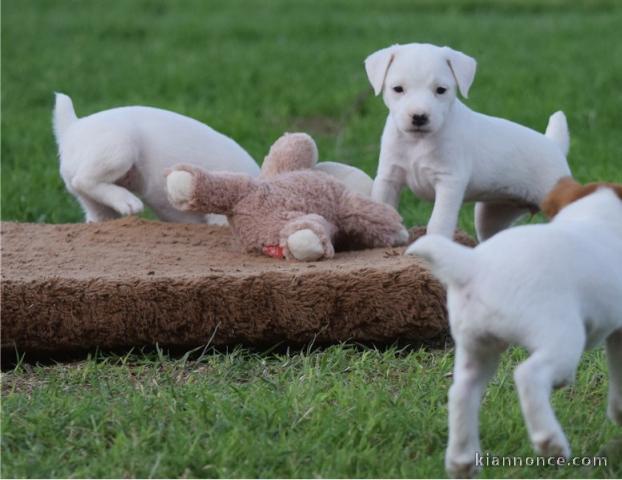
(306, 246)
(180, 188)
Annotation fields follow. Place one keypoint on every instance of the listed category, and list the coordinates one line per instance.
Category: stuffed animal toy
(290, 210)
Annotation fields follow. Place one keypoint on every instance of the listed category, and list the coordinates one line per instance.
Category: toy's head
(419, 83)
(568, 190)
(292, 151)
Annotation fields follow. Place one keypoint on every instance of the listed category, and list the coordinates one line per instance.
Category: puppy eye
(441, 90)
(398, 89)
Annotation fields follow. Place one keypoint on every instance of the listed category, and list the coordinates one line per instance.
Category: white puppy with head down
(111, 160)
(554, 289)
(449, 154)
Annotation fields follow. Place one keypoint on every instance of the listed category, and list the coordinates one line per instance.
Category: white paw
(614, 411)
(461, 470)
(179, 185)
(215, 219)
(129, 205)
(411, 250)
(400, 238)
(460, 466)
(552, 445)
(305, 245)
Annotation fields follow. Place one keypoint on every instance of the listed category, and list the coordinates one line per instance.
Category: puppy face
(419, 83)
(568, 190)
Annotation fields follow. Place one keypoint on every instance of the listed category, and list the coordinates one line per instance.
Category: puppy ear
(565, 191)
(463, 67)
(377, 65)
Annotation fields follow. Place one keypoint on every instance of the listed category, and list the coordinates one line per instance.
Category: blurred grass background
(253, 70)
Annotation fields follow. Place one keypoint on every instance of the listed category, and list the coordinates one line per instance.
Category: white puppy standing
(109, 159)
(554, 289)
(449, 154)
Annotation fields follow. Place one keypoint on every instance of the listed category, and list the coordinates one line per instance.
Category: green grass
(338, 412)
(254, 70)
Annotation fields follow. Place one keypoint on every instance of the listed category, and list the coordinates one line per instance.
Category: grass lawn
(254, 70)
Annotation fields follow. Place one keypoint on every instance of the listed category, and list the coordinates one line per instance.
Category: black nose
(420, 120)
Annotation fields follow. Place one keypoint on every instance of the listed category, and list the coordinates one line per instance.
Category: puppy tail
(450, 262)
(557, 130)
(64, 115)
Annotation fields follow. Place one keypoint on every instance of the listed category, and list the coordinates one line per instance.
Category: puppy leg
(551, 365)
(308, 238)
(447, 202)
(472, 370)
(95, 212)
(386, 190)
(369, 224)
(491, 218)
(96, 180)
(614, 359)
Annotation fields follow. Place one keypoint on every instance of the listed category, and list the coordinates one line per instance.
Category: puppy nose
(420, 120)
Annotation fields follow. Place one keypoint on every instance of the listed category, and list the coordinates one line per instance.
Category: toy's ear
(292, 151)
(463, 67)
(377, 65)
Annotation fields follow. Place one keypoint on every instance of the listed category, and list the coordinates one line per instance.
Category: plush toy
(290, 210)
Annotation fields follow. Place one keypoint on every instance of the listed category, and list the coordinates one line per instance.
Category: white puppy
(554, 289)
(112, 159)
(449, 154)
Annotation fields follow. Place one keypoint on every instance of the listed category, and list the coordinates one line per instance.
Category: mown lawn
(254, 70)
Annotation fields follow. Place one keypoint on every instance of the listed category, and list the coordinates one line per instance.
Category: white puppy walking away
(554, 289)
(112, 159)
(447, 153)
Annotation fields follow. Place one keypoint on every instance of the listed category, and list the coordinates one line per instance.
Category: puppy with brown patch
(568, 190)
(553, 289)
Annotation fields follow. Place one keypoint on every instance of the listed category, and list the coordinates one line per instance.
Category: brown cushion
(132, 282)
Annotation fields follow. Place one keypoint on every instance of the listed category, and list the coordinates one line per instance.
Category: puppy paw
(400, 238)
(306, 246)
(129, 205)
(614, 411)
(180, 187)
(552, 444)
(410, 250)
(461, 467)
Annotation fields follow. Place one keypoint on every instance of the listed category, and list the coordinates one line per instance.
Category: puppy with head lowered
(553, 289)
(447, 153)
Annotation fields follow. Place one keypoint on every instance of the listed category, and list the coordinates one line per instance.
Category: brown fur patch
(568, 190)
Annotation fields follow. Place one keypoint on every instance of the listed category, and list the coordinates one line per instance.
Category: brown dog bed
(133, 282)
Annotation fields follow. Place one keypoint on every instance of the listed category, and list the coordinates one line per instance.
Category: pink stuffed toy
(290, 210)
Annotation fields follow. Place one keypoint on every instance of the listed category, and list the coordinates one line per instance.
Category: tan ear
(377, 65)
(463, 67)
(565, 191)
(618, 190)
